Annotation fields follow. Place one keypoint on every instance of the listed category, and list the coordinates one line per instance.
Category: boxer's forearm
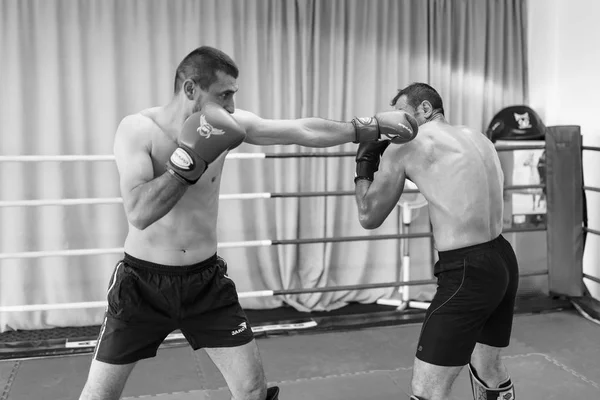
(318, 132)
(149, 202)
(308, 132)
(372, 207)
(363, 204)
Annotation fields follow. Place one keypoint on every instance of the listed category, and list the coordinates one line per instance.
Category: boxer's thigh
(217, 323)
(106, 381)
(465, 299)
(498, 328)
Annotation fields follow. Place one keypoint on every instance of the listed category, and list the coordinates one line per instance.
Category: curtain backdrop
(71, 70)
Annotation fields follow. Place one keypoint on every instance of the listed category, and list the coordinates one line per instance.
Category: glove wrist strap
(367, 129)
(365, 170)
(362, 178)
(178, 177)
(185, 165)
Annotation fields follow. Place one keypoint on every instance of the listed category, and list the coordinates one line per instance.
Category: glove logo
(393, 135)
(180, 158)
(206, 130)
(408, 128)
(523, 120)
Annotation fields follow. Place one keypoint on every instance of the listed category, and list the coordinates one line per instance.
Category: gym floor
(553, 355)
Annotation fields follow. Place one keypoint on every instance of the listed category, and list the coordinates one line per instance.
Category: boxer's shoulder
(416, 149)
(135, 131)
(138, 123)
(143, 126)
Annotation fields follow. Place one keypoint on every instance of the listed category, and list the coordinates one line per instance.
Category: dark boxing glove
(397, 126)
(273, 393)
(205, 136)
(368, 156)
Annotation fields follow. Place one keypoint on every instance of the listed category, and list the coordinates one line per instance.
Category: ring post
(565, 210)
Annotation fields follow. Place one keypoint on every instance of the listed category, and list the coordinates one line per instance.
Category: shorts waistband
(168, 269)
(461, 253)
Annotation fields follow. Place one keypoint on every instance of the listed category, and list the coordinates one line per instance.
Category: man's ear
(427, 109)
(189, 89)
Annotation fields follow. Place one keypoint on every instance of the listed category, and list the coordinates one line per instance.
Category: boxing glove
(397, 126)
(273, 393)
(205, 135)
(368, 156)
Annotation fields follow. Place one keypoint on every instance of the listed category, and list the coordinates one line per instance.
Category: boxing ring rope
(588, 230)
(234, 196)
(60, 158)
(592, 231)
(591, 189)
(591, 278)
(70, 158)
(250, 243)
(252, 294)
(230, 156)
(593, 148)
(119, 200)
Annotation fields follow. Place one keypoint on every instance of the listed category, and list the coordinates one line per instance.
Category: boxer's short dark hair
(418, 92)
(202, 65)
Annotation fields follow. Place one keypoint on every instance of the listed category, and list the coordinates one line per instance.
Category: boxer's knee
(431, 391)
(493, 373)
(250, 390)
(433, 382)
(486, 363)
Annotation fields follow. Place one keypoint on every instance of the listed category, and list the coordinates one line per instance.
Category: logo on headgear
(523, 120)
(207, 130)
(181, 159)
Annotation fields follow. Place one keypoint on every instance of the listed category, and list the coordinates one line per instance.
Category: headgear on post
(516, 123)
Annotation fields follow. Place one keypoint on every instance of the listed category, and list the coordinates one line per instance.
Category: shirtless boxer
(458, 171)
(170, 160)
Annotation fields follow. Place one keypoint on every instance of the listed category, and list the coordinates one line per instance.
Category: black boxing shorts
(474, 303)
(147, 301)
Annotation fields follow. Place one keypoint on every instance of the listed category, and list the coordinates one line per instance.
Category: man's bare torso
(187, 234)
(458, 171)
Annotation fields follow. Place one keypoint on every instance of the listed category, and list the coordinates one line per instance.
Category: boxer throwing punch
(458, 171)
(170, 160)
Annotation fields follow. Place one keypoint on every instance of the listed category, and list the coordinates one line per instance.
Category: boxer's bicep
(264, 132)
(132, 156)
